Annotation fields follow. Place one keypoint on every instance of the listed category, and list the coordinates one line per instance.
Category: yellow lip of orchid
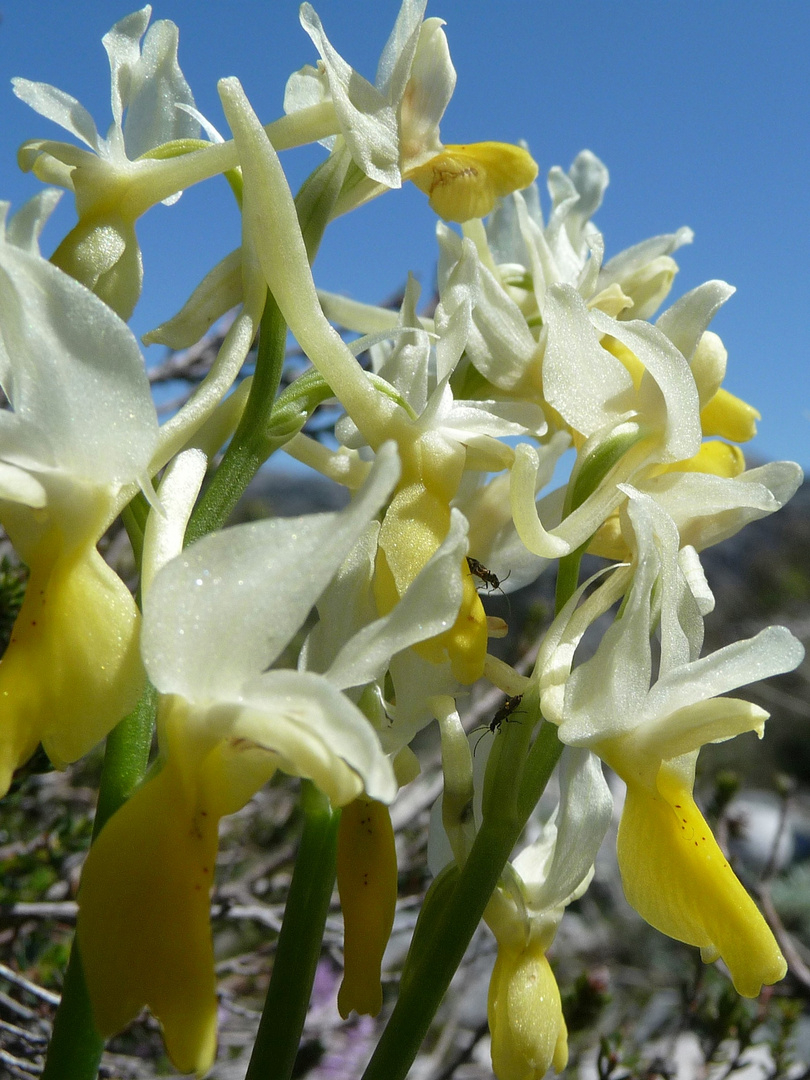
(464, 182)
(367, 883)
(78, 432)
(675, 875)
(391, 127)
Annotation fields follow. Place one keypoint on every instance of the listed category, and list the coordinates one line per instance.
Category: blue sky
(701, 111)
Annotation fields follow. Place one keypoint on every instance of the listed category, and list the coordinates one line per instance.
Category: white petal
(218, 292)
(24, 228)
(578, 526)
(430, 85)
(772, 651)
(368, 123)
(346, 606)
(685, 322)
(260, 580)
(668, 394)
(585, 383)
(316, 732)
(586, 806)
(97, 416)
(708, 509)
(396, 59)
(166, 527)
(122, 43)
(157, 87)
(686, 730)
(60, 107)
(629, 262)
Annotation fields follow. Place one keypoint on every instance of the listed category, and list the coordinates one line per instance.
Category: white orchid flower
(391, 127)
(650, 733)
(78, 435)
(524, 1008)
(148, 92)
(418, 518)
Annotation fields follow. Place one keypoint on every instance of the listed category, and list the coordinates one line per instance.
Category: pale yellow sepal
(716, 458)
(367, 883)
(678, 879)
(729, 417)
(529, 1035)
(103, 254)
(414, 526)
(72, 668)
(463, 182)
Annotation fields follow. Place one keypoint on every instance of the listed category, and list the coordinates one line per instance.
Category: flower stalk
(300, 941)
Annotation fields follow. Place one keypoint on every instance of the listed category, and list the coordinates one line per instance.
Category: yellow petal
(463, 182)
(717, 458)
(143, 924)
(678, 879)
(414, 526)
(729, 417)
(634, 366)
(72, 668)
(367, 883)
(608, 541)
(528, 1031)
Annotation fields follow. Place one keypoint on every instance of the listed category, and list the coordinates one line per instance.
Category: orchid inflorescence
(447, 444)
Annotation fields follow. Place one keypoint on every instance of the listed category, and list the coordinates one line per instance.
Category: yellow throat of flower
(463, 182)
(415, 525)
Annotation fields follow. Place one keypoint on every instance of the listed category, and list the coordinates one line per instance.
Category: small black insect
(503, 714)
(477, 569)
(492, 581)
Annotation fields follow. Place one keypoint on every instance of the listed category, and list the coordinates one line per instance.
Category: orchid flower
(150, 102)
(526, 1023)
(227, 721)
(650, 733)
(77, 436)
(391, 128)
(151, 153)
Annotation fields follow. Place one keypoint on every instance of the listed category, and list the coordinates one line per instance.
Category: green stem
(126, 757)
(458, 915)
(251, 445)
(300, 942)
(76, 1047)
